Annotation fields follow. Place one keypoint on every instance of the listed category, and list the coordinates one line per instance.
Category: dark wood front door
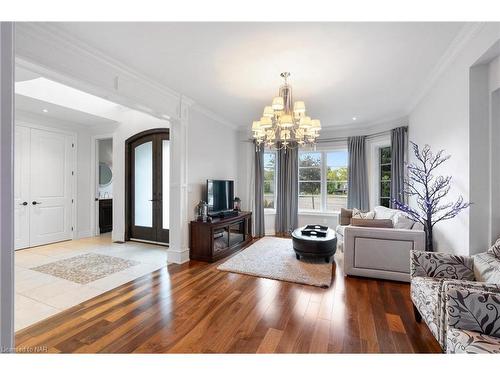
(147, 186)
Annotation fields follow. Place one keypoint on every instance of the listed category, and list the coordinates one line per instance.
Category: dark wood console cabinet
(215, 240)
(105, 215)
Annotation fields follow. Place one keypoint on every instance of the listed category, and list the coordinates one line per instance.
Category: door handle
(34, 203)
(23, 204)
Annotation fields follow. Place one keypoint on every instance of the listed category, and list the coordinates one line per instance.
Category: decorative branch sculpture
(428, 191)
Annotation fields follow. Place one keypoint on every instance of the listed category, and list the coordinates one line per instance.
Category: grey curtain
(287, 199)
(258, 213)
(399, 145)
(357, 195)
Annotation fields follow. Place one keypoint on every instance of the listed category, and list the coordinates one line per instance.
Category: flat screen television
(220, 195)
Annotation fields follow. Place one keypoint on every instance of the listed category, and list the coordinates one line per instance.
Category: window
(310, 181)
(322, 180)
(385, 176)
(336, 180)
(269, 179)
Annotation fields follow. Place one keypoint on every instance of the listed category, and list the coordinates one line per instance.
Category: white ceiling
(372, 71)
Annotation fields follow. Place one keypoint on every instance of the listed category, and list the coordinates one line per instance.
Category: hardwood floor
(194, 308)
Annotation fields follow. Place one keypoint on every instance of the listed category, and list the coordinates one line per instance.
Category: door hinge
(73, 145)
(72, 201)
(72, 173)
(71, 228)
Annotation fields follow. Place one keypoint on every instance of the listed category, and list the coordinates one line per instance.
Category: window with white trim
(310, 181)
(269, 179)
(322, 180)
(336, 180)
(385, 174)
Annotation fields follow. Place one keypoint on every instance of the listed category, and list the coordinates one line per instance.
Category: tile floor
(39, 295)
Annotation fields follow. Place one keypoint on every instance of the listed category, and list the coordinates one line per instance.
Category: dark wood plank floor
(194, 308)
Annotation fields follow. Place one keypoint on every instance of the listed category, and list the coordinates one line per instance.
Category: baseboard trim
(177, 256)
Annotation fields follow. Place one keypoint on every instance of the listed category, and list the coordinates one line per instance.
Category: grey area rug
(85, 268)
(274, 258)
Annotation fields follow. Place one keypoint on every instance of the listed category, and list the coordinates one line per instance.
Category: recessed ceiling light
(354, 118)
(45, 110)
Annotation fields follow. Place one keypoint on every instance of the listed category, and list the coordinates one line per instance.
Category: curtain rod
(344, 139)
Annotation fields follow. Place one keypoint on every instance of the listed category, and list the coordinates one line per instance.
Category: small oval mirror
(105, 174)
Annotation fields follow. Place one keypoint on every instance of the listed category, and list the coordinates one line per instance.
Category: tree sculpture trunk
(429, 244)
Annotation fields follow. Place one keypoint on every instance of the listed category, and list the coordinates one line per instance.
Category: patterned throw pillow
(487, 268)
(357, 214)
(495, 249)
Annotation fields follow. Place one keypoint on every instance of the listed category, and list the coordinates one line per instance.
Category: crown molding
(214, 116)
(399, 119)
(466, 33)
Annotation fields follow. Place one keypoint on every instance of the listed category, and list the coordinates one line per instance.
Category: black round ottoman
(313, 246)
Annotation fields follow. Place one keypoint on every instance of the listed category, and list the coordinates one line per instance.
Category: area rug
(274, 258)
(85, 268)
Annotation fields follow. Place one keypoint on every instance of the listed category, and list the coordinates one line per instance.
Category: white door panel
(50, 196)
(21, 187)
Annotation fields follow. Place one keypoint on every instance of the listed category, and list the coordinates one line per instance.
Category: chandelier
(284, 124)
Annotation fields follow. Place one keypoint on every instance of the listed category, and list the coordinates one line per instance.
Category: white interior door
(21, 188)
(50, 185)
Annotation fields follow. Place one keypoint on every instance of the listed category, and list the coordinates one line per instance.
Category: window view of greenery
(336, 180)
(385, 176)
(269, 179)
(309, 181)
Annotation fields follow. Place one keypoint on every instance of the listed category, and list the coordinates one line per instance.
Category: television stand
(211, 241)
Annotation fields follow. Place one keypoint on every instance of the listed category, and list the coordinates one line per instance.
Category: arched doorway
(147, 186)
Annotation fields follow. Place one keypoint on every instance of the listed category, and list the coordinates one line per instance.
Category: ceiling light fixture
(354, 118)
(284, 124)
(45, 110)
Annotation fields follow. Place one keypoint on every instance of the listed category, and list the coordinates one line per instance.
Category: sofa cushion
(345, 216)
(463, 341)
(382, 212)
(373, 223)
(425, 296)
(487, 268)
(417, 226)
(357, 214)
(401, 221)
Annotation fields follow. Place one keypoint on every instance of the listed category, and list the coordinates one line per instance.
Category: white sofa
(382, 253)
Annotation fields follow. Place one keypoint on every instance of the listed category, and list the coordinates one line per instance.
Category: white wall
(494, 73)
(495, 165)
(213, 150)
(441, 119)
(6, 186)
